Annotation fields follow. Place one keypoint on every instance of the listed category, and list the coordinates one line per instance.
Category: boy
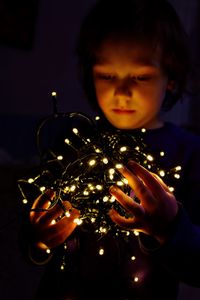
(134, 63)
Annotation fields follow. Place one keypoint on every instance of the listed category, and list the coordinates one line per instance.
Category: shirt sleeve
(181, 253)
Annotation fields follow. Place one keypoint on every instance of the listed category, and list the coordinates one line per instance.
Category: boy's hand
(157, 208)
(52, 227)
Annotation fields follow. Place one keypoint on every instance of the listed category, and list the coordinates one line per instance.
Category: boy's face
(130, 85)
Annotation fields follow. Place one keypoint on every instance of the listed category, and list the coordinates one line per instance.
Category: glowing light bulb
(99, 187)
(136, 233)
(133, 257)
(67, 141)
(78, 221)
(67, 214)
(118, 166)
(143, 130)
(25, 201)
(178, 168)
(92, 162)
(105, 198)
(102, 230)
(162, 153)
(162, 173)
(53, 94)
(120, 183)
(136, 279)
(150, 157)
(60, 157)
(30, 180)
(101, 251)
(171, 189)
(105, 160)
(112, 199)
(177, 176)
(66, 189)
(72, 188)
(42, 188)
(123, 149)
(85, 193)
(125, 181)
(111, 171)
(75, 130)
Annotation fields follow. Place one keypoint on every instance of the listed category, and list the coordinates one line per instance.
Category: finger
(142, 192)
(130, 223)
(127, 202)
(42, 202)
(61, 230)
(162, 183)
(149, 180)
(54, 213)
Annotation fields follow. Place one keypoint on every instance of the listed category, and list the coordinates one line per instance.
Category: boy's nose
(123, 88)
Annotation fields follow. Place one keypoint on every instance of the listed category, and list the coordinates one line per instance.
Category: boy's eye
(142, 78)
(105, 76)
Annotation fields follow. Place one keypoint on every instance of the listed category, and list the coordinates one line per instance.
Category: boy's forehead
(141, 53)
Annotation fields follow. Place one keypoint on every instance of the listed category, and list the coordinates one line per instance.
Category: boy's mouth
(123, 111)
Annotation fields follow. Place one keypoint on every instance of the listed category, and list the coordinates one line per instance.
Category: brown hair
(154, 22)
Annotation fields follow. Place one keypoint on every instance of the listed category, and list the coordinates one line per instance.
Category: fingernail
(132, 167)
(131, 163)
(49, 193)
(112, 189)
(110, 212)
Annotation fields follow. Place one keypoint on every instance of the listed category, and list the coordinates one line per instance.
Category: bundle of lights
(85, 181)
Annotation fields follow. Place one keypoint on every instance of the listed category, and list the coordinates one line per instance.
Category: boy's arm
(181, 253)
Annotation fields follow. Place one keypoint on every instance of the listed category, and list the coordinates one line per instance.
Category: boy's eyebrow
(142, 67)
(142, 62)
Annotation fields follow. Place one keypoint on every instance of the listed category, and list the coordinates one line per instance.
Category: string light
(85, 181)
(101, 251)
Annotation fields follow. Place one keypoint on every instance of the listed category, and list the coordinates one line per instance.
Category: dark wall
(29, 74)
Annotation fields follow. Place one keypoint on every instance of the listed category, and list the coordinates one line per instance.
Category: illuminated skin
(130, 87)
(157, 208)
(50, 233)
(130, 84)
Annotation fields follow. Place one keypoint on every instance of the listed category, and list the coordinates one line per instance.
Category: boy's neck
(157, 124)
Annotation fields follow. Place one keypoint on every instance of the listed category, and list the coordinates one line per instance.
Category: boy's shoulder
(173, 139)
(182, 134)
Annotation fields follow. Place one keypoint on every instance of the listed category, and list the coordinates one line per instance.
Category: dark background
(37, 43)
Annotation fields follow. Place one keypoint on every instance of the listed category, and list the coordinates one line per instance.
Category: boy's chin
(123, 126)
